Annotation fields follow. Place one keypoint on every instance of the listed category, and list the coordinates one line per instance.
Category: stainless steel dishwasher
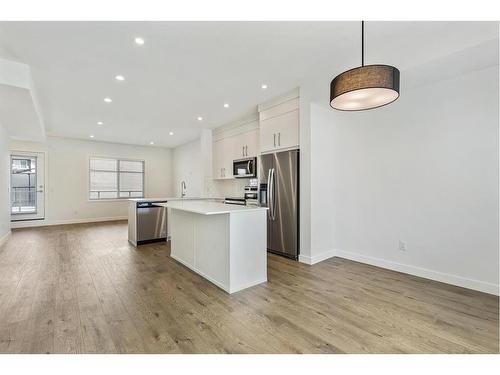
(151, 223)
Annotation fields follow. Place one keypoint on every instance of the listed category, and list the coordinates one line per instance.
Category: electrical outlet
(402, 245)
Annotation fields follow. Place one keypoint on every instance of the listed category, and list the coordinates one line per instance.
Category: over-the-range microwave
(245, 168)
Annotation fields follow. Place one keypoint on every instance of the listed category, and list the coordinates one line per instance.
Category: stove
(235, 200)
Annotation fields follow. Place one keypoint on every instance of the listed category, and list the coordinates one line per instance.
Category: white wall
(187, 165)
(67, 163)
(305, 175)
(424, 170)
(4, 186)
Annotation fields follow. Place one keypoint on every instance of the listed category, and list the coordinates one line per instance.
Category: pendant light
(364, 87)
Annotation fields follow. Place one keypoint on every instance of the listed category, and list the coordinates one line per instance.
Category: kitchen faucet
(183, 189)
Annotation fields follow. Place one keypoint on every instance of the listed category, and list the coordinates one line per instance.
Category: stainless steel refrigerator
(279, 190)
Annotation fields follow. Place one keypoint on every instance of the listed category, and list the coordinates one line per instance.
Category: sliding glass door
(27, 188)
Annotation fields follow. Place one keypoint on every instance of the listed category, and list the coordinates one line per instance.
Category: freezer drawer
(151, 224)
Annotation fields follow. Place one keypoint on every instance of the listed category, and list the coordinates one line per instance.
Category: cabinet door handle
(279, 139)
(246, 150)
(274, 135)
(243, 151)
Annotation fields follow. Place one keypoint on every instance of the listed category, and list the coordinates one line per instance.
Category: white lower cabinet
(227, 249)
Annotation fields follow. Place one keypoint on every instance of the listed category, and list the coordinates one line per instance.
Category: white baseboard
(42, 223)
(447, 278)
(5, 237)
(317, 258)
(248, 285)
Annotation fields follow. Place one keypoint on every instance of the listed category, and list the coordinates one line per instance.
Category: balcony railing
(23, 199)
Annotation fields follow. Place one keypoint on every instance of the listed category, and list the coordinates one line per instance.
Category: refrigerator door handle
(268, 193)
(273, 194)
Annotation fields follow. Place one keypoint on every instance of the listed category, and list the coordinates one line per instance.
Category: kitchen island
(146, 223)
(226, 244)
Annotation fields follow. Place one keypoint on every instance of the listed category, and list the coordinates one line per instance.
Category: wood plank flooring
(84, 289)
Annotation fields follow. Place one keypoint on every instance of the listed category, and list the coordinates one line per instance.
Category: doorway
(27, 186)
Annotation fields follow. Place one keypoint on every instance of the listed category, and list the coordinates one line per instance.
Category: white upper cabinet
(248, 144)
(217, 158)
(279, 126)
(276, 128)
(238, 140)
(223, 155)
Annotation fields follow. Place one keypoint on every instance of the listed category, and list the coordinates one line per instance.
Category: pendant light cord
(362, 43)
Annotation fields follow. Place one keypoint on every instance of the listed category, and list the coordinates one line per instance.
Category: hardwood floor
(84, 289)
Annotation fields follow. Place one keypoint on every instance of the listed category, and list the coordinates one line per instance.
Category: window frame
(118, 171)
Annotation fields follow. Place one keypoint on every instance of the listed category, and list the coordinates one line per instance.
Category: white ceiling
(19, 108)
(190, 69)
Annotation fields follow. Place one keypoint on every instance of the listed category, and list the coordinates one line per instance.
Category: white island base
(225, 244)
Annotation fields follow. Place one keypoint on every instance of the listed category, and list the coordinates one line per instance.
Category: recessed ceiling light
(100, 123)
(226, 105)
(107, 100)
(139, 41)
(263, 86)
(151, 143)
(92, 136)
(199, 118)
(171, 133)
(120, 78)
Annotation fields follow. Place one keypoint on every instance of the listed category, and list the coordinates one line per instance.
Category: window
(115, 178)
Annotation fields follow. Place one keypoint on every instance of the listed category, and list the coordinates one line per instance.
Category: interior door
(27, 186)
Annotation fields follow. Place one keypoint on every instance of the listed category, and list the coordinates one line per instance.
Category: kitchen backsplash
(225, 188)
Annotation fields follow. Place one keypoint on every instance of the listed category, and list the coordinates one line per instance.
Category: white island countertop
(205, 207)
(153, 200)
